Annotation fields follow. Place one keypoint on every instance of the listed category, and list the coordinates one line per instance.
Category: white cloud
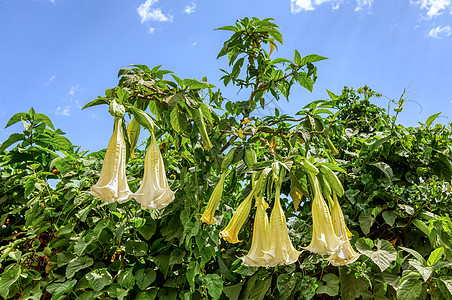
(363, 4)
(52, 1)
(440, 31)
(297, 6)
(63, 111)
(151, 30)
(74, 88)
(190, 8)
(194, 44)
(51, 79)
(434, 7)
(147, 13)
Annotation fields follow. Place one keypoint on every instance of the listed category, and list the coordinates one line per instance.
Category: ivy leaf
(233, 291)
(214, 285)
(59, 289)
(126, 278)
(77, 264)
(8, 279)
(144, 277)
(389, 217)
(425, 272)
(411, 289)
(138, 248)
(350, 285)
(329, 285)
(99, 278)
(365, 221)
(384, 254)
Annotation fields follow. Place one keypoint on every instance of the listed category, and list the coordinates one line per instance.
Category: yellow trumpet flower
(231, 232)
(281, 248)
(345, 254)
(112, 184)
(209, 213)
(154, 192)
(260, 244)
(324, 239)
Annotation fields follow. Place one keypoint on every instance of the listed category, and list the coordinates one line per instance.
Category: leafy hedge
(59, 241)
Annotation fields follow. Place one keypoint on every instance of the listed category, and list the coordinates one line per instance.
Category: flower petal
(112, 185)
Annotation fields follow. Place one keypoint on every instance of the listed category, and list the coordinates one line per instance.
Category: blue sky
(57, 55)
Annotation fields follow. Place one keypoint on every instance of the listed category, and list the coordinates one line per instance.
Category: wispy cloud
(297, 6)
(148, 13)
(50, 80)
(439, 31)
(52, 1)
(63, 111)
(434, 7)
(189, 9)
(151, 30)
(363, 5)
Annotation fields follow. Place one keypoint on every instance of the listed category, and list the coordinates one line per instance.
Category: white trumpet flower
(112, 184)
(281, 249)
(324, 239)
(345, 254)
(154, 192)
(260, 244)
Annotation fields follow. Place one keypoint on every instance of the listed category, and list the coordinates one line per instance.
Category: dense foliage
(59, 241)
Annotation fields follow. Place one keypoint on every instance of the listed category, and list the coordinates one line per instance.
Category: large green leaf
(411, 289)
(214, 285)
(351, 285)
(99, 278)
(77, 264)
(329, 285)
(8, 279)
(144, 277)
(382, 256)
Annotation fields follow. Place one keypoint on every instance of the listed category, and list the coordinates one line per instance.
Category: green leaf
(329, 285)
(126, 279)
(382, 256)
(13, 138)
(162, 262)
(99, 278)
(365, 220)
(435, 256)
(8, 279)
(411, 289)
(16, 118)
(137, 248)
(350, 285)
(311, 58)
(445, 285)
(97, 101)
(174, 119)
(389, 217)
(77, 264)
(144, 277)
(430, 120)
(214, 285)
(142, 117)
(44, 119)
(425, 272)
(260, 289)
(59, 289)
(143, 68)
(385, 168)
(233, 291)
(148, 229)
(192, 270)
(416, 254)
(280, 60)
(297, 58)
(305, 81)
(230, 28)
(148, 295)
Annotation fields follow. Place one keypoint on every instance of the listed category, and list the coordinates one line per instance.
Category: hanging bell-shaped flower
(260, 244)
(231, 232)
(112, 184)
(324, 239)
(344, 253)
(154, 192)
(281, 249)
(209, 213)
